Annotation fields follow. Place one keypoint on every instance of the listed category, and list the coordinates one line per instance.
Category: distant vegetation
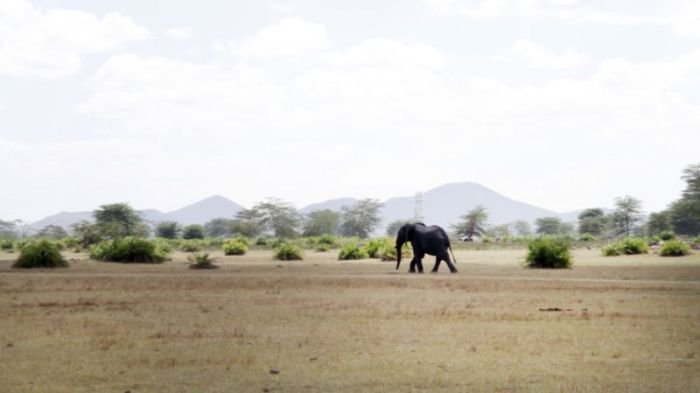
(119, 233)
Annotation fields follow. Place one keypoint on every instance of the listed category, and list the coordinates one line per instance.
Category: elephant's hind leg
(445, 257)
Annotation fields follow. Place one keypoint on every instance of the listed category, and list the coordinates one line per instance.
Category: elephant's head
(405, 234)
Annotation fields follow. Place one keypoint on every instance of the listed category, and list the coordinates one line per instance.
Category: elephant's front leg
(416, 263)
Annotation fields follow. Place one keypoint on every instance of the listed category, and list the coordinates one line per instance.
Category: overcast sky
(565, 104)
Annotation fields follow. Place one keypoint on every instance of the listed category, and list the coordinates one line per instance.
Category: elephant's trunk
(398, 257)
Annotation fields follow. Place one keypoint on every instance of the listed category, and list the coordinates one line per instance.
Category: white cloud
(681, 16)
(536, 56)
(387, 53)
(289, 37)
(49, 43)
(179, 33)
(375, 108)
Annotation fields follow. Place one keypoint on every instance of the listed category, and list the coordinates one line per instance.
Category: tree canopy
(473, 223)
(361, 218)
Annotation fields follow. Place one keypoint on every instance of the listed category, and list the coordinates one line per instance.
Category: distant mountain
(205, 210)
(196, 213)
(63, 219)
(333, 204)
(445, 204)
(442, 206)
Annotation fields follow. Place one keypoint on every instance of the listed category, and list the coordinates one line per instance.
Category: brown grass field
(624, 324)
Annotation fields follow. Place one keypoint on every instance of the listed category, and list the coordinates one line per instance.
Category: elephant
(424, 239)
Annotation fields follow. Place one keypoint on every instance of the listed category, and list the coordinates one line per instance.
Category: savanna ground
(624, 324)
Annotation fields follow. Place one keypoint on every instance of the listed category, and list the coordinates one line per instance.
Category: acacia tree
(276, 216)
(119, 220)
(246, 223)
(549, 226)
(361, 218)
(685, 212)
(168, 229)
(322, 222)
(522, 228)
(7, 230)
(592, 221)
(393, 228)
(194, 231)
(52, 232)
(218, 227)
(473, 223)
(659, 222)
(627, 214)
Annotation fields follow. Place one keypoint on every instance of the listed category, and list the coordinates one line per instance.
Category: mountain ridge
(441, 205)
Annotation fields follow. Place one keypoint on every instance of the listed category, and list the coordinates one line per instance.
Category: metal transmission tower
(418, 207)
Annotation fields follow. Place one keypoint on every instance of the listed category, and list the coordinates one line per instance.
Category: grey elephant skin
(431, 240)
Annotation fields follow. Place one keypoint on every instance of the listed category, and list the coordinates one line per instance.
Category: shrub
(288, 252)
(375, 246)
(165, 245)
(235, 247)
(71, 242)
(201, 261)
(667, 235)
(352, 251)
(43, 253)
(612, 250)
(634, 245)
(128, 250)
(322, 248)
(7, 245)
(627, 246)
(548, 252)
(674, 248)
(695, 243)
(263, 241)
(388, 253)
(191, 245)
(328, 240)
(586, 237)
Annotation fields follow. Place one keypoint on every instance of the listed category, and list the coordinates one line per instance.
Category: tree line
(278, 218)
(681, 217)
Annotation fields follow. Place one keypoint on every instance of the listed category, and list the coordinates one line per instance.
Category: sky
(564, 104)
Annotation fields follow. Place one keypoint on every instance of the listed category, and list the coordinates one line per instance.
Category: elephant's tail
(453, 254)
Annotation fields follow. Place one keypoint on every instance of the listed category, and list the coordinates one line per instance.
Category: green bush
(7, 245)
(548, 252)
(376, 246)
(667, 235)
(388, 253)
(201, 261)
(695, 243)
(288, 252)
(191, 245)
(587, 237)
(128, 250)
(322, 248)
(612, 250)
(626, 246)
(42, 253)
(328, 240)
(674, 248)
(352, 251)
(235, 247)
(71, 242)
(634, 245)
(263, 241)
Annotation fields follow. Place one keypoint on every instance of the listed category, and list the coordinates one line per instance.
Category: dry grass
(626, 324)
